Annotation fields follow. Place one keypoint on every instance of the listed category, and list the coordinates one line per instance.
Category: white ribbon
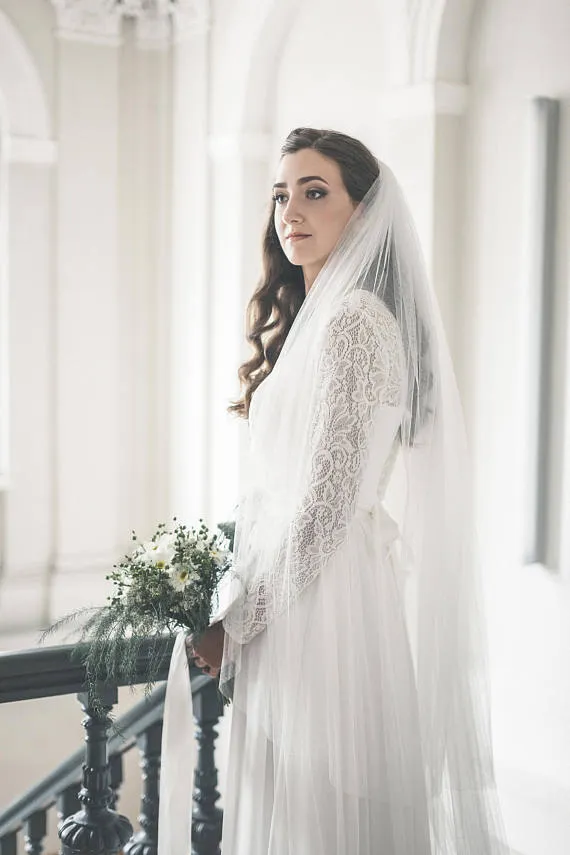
(178, 757)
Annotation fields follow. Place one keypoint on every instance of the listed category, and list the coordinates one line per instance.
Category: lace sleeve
(361, 369)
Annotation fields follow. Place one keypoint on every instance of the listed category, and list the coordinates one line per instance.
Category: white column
(26, 340)
(4, 326)
(190, 275)
(143, 287)
(241, 192)
(86, 307)
(27, 154)
(4, 347)
(424, 144)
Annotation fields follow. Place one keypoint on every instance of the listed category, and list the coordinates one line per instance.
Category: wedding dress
(355, 642)
(285, 796)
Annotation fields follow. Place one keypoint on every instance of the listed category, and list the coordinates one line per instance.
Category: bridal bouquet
(166, 584)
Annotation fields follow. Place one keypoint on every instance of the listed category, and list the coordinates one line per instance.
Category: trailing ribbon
(178, 757)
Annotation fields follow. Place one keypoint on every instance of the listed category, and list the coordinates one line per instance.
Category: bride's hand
(207, 649)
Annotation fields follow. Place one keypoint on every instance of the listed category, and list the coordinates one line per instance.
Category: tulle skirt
(325, 752)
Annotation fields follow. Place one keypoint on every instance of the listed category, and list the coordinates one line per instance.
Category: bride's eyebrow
(303, 180)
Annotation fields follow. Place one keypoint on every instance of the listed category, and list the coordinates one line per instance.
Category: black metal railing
(86, 788)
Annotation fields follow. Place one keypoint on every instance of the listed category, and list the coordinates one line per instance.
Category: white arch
(264, 59)
(439, 33)
(23, 100)
(248, 43)
(439, 40)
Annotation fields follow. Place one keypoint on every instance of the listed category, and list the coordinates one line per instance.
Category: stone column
(85, 304)
(425, 140)
(143, 287)
(26, 342)
(240, 184)
(190, 283)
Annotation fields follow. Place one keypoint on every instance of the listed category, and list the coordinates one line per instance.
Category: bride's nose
(291, 214)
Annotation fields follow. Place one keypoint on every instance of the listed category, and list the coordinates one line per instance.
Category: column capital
(164, 22)
(190, 18)
(95, 21)
(159, 22)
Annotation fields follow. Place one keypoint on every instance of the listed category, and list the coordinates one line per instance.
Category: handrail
(129, 727)
(49, 671)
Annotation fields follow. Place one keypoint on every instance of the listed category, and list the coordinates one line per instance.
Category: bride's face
(312, 207)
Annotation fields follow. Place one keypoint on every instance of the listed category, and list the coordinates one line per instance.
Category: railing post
(115, 778)
(68, 802)
(206, 817)
(9, 844)
(145, 841)
(36, 829)
(95, 829)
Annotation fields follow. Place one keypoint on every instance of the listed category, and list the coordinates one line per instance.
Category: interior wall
(518, 52)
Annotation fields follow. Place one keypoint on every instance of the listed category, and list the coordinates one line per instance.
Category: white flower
(182, 576)
(159, 552)
(223, 542)
(220, 551)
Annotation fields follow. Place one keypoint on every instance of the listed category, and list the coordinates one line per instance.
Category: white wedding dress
(325, 753)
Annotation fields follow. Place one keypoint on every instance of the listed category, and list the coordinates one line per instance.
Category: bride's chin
(299, 257)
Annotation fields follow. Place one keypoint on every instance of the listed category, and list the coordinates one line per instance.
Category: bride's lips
(295, 238)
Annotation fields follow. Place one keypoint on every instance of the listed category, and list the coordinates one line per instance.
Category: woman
(351, 641)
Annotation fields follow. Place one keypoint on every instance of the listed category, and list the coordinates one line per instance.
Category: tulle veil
(380, 252)
(264, 670)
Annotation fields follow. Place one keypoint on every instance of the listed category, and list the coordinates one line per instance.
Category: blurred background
(138, 142)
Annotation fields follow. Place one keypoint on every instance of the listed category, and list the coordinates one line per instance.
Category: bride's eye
(314, 193)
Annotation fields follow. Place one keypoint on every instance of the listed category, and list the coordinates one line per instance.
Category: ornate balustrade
(86, 788)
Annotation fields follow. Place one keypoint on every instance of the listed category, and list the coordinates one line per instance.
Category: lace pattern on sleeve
(361, 369)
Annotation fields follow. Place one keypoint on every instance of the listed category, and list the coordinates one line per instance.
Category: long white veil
(268, 612)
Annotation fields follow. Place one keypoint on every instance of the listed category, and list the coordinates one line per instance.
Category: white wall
(519, 51)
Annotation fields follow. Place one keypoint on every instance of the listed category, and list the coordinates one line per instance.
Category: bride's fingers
(204, 665)
(210, 670)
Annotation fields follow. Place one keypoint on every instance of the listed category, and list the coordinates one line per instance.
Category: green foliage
(163, 586)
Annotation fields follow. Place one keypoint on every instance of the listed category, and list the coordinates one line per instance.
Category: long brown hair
(281, 289)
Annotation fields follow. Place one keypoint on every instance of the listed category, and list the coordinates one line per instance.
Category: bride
(351, 638)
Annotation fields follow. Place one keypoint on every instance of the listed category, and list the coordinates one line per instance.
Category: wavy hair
(281, 289)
